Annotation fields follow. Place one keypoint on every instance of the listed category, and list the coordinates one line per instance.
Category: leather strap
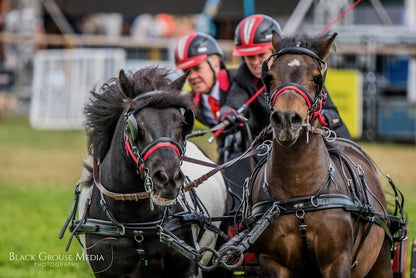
(116, 196)
(203, 178)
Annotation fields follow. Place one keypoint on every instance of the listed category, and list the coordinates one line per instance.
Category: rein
(144, 195)
(260, 150)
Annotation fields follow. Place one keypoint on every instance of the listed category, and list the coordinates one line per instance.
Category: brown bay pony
(333, 219)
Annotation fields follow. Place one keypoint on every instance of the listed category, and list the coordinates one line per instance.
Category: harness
(258, 216)
(113, 228)
(162, 228)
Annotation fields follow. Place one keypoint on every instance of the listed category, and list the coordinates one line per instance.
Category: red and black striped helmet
(253, 35)
(194, 48)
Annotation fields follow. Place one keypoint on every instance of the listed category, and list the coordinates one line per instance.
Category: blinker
(132, 126)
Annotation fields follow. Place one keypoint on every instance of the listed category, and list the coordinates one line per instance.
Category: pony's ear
(126, 85)
(275, 40)
(325, 47)
(179, 82)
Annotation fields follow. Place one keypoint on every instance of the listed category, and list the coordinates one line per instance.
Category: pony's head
(294, 75)
(147, 121)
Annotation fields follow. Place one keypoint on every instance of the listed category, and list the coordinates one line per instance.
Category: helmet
(195, 48)
(253, 35)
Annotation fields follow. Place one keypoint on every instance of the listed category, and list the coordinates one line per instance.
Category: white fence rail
(62, 80)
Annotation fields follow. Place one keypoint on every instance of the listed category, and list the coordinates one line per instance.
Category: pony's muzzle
(286, 120)
(168, 183)
(286, 125)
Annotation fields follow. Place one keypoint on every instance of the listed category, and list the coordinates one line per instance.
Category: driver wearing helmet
(201, 56)
(253, 42)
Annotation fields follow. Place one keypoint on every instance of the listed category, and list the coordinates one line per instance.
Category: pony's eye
(317, 79)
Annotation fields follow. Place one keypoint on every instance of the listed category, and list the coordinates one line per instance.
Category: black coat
(225, 78)
(244, 87)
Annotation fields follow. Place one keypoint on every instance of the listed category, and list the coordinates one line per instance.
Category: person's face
(201, 78)
(254, 62)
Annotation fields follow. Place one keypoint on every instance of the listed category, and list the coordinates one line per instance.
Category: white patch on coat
(294, 63)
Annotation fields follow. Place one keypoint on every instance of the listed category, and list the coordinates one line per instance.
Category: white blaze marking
(294, 63)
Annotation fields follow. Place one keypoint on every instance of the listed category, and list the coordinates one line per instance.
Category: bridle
(140, 157)
(314, 104)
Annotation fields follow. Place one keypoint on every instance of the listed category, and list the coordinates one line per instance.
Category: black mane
(108, 102)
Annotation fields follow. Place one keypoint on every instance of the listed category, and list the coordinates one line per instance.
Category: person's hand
(230, 121)
(232, 117)
(332, 118)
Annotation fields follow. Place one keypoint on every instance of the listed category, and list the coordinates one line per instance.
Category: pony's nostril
(276, 119)
(280, 120)
(179, 177)
(161, 177)
(296, 120)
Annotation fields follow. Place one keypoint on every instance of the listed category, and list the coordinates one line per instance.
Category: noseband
(314, 104)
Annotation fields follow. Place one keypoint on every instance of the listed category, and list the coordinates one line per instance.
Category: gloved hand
(230, 122)
(332, 118)
(231, 116)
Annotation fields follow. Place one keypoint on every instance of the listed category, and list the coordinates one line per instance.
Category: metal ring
(123, 230)
(214, 259)
(148, 183)
(300, 213)
(228, 253)
(331, 136)
(313, 202)
(139, 237)
(264, 148)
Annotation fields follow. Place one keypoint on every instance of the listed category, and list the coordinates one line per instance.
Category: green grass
(32, 220)
(38, 172)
